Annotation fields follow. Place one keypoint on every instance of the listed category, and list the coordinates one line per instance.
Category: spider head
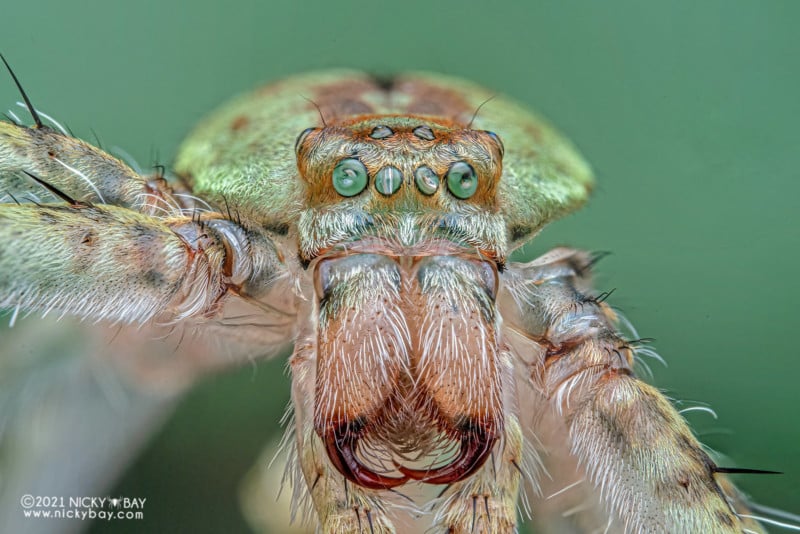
(400, 163)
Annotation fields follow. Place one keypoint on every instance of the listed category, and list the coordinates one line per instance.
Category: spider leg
(82, 234)
(634, 457)
(71, 168)
(78, 169)
(111, 263)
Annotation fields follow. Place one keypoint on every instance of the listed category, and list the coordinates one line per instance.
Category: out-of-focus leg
(636, 452)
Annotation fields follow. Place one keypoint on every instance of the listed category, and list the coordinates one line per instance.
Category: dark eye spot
(496, 139)
(302, 137)
(424, 132)
(381, 132)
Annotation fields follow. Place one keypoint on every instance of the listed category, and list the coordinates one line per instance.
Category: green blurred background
(687, 110)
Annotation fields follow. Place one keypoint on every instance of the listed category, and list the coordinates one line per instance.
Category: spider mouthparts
(341, 444)
(476, 446)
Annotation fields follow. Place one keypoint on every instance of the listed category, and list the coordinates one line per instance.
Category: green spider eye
(388, 180)
(426, 179)
(462, 180)
(349, 177)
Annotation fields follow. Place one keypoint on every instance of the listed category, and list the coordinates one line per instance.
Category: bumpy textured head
(417, 140)
(400, 164)
(375, 174)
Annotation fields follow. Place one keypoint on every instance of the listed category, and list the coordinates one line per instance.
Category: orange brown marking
(239, 123)
(88, 238)
(434, 99)
(341, 100)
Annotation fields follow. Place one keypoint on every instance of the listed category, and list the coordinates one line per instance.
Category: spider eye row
(350, 178)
